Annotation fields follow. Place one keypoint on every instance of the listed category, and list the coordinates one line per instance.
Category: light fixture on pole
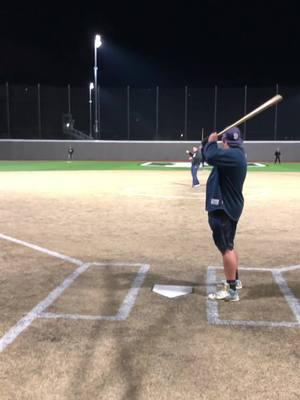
(91, 87)
(97, 44)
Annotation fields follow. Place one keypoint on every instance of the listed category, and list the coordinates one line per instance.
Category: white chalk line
(130, 299)
(24, 323)
(287, 293)
(42, 249)
(212, 305)
(117, 264)
(278, 269)
(38, 310)
(291, 268)
(76, 317)
(126, 305)
(267, 324)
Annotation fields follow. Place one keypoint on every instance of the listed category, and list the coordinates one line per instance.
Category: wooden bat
(271, 102)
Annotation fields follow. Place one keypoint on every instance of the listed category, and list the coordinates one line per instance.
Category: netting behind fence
(39, 112)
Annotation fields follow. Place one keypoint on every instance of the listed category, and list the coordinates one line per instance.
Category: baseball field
(83, 243)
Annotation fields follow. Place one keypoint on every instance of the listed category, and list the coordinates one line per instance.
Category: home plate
(172, 291)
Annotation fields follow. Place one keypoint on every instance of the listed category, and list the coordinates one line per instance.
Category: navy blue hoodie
(225, 183)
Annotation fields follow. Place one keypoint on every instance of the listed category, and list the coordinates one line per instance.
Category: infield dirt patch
(166, 348)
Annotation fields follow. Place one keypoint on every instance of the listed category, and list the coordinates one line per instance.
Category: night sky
(148, 43)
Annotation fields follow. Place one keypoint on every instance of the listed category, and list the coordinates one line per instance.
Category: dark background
(201, 46)
(151, 43)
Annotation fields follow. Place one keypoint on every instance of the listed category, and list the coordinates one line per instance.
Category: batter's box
(277, 273)
(124, 309)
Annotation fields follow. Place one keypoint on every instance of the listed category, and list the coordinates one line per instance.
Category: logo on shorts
(215, 202)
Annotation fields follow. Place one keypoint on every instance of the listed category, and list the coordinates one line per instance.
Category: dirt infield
(165, 348)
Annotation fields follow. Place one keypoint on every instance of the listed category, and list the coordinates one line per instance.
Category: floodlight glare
(91, 86)
(98, 42)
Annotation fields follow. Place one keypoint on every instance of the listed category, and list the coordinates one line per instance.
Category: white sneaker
(239, 284)
(220, 294)
(232, 295)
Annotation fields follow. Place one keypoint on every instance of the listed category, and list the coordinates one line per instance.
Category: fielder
(195, 158)
(277, 155)
(224, 203)
(70, 153)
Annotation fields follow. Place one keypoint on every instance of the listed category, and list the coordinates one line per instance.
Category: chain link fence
(157, 113)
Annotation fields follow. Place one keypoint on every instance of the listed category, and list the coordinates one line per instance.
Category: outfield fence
(133, 150)
(157, 113)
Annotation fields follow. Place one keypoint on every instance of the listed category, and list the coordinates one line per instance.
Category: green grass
(285, 167)
(117, 165)
(67, 166)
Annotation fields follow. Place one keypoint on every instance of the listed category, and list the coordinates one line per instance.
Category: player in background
(224, 203)
(195, 158)
(70, 153)
(277, 155)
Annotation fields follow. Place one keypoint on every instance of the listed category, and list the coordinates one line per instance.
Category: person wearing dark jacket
(277, 156)
(70, 153)
(224, 203)
(195, 158)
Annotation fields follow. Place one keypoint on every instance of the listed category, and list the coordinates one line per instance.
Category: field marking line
(24, 323)
(117, 264)
(247, 269)
(292, 301)
(131, 296)
(263, 324)
(291, 268)
(270, 269)
(42, 250)
(127, 303)
(212, 305)
(76, 317)
(278, 269)
(38, 310)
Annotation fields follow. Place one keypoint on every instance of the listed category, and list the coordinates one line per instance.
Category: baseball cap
(233, 137)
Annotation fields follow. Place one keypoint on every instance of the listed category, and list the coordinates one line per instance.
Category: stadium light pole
(91, 87)
(97, 44)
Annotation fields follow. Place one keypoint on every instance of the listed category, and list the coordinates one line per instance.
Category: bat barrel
(270, 103)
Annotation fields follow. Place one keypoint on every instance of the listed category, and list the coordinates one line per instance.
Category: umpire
(224, 203)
